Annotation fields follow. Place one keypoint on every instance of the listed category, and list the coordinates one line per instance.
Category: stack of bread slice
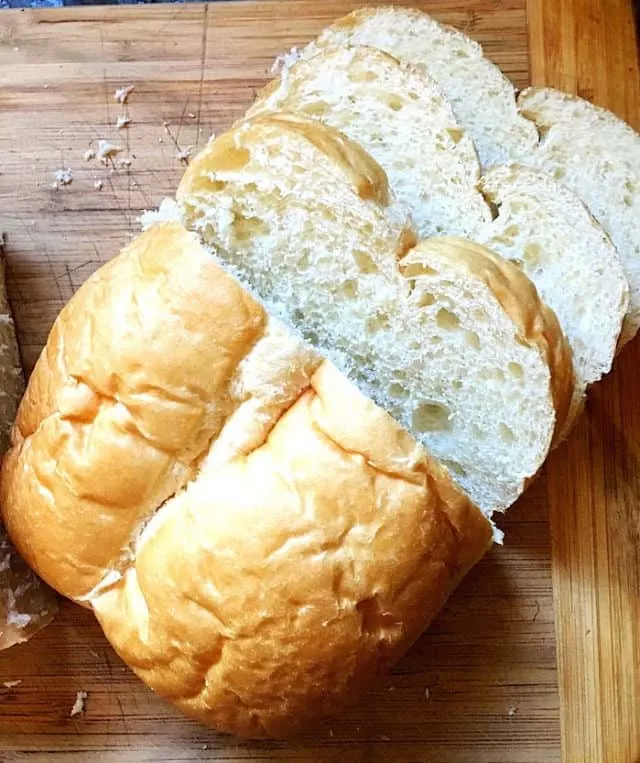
(388, 212)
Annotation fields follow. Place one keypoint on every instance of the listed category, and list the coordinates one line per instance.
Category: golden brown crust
(340, 575)
(297, 540)
(536, 323)
(225, 153)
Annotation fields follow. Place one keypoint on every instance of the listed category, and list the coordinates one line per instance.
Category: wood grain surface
(489, 661)
(589, 47)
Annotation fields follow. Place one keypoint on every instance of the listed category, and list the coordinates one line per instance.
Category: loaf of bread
(26, 605)
(288, 421)
(270, 540)
(451, 340)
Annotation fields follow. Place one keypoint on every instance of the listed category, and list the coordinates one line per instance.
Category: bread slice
(546, 230)
(597, 155)
(483, 99)
(452, 341)
(398, 114)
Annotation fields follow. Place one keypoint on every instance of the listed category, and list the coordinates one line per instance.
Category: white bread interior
(399, 115)
(546, 230)
(597, 155)
(450, 339)
(483, 99)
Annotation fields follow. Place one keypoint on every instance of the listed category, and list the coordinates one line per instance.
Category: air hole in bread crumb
(249, 227)
(375, 323)
(364, 262)
(532, 254)
(349, 289)
(455, 134)
(395, 103)
(472, 339)
(413, 95)
(425, 299)
(414, 269)
(506, 433)
(516, 370)
(454, 467)
(356, 74)
(398, 391)
(447, 320)
(317, 108)
(430, 417)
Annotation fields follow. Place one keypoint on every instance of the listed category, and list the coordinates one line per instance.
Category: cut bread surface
(483, 99)
(597, 155)
(399, 115)
(463, 355)
(546, 230)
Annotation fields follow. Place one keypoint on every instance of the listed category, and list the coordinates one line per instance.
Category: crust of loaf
(536, 324)
(270, 540)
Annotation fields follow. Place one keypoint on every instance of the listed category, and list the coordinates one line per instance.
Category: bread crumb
(427, 693)
(78, 705)
(122, 93)
(123, 121)
(63, 177)
(204, 746)
(46, 87)
(384, 738)
(330, 732)
(107, 151)
(98, 185)
(284, 61)
(126, 162)
(512, 711)
(11, 684)
(183, 154)
(191, 115)
(160, 140)
(89, 155)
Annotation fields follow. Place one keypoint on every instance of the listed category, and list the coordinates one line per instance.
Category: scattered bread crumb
(11, 684)
(183, 154)
(46, 87)
(330, 732)
(98, 185)
(204, 746)
(512, 711)
(160, 140)
(107, 151)
(126, 162)
(89, 155)
(78, 705)
(284, 61)
(63, 177)
(191, 115)
(123, 121)
(427, 693)
(384, 738)
(122, 93)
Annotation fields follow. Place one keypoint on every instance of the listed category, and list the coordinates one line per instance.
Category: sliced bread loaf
(398, 114)
(597, 155)
(546, 230)
(452, 340)
(483, 99)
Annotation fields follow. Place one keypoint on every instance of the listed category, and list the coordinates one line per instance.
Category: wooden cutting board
(482, 685)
